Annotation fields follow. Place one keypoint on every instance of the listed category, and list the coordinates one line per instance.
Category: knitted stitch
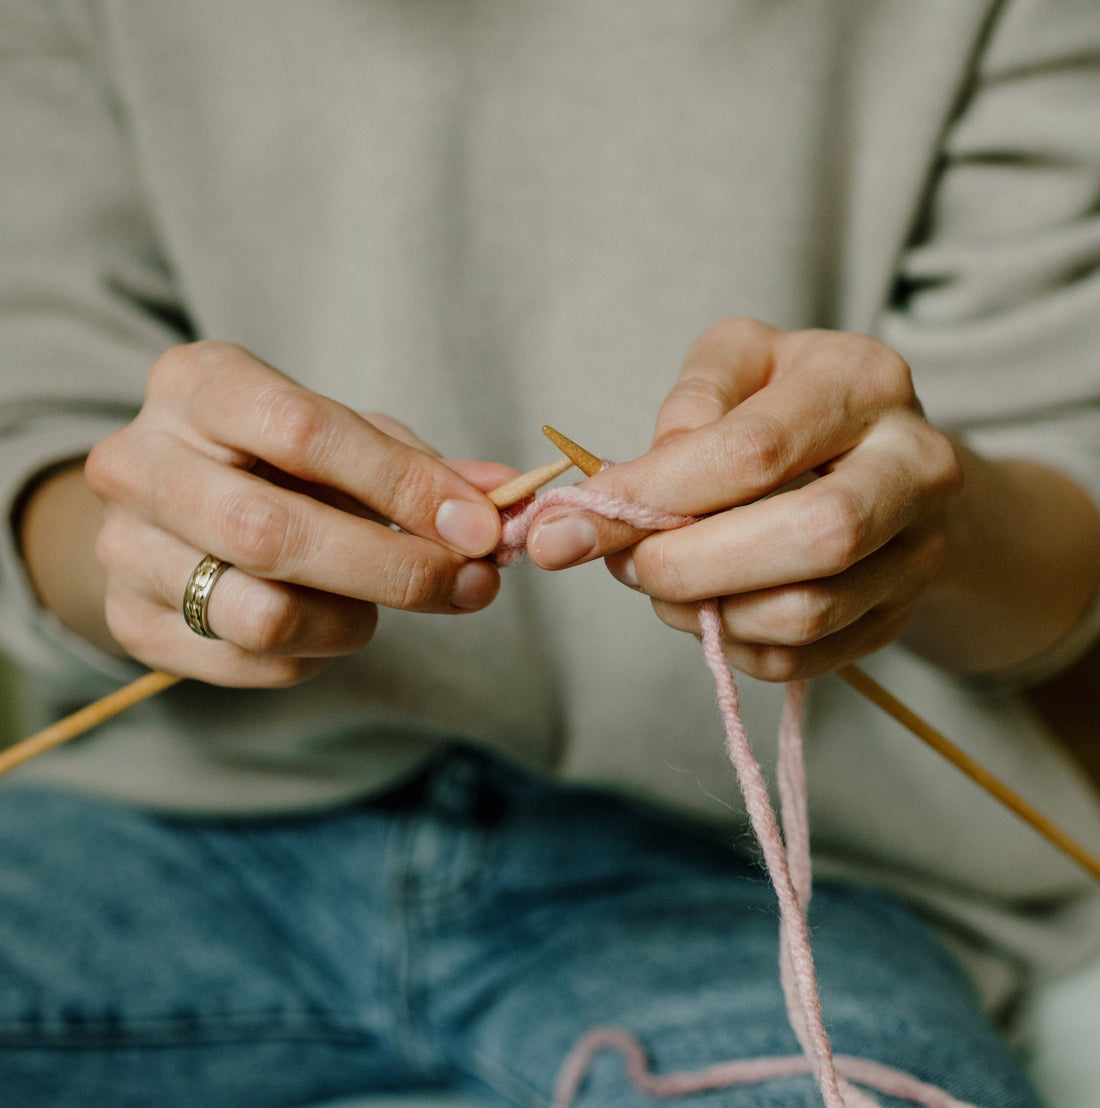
(786, 856)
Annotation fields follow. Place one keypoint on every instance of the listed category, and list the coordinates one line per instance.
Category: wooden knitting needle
(587, 463)
(521, 487)
(84, 719)
(511, 492)
(863, 683)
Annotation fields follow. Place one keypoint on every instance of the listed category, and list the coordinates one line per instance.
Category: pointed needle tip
(584, 460)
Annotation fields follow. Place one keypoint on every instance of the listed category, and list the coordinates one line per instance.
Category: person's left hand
(822, 492)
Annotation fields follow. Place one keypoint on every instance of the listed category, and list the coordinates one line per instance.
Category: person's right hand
(298, 493)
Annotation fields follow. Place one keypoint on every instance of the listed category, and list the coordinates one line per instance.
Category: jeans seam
(409, 1039)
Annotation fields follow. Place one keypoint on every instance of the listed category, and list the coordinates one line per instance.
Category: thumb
(725, 365)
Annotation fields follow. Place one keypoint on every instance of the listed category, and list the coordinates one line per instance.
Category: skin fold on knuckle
(798, 616)
(925, 460)
(181, 371)
(296, 427)
(416, 582)
(835, 526)
(395, 429)
(766, 662)
(706, 388)
(889, 378)
(884, 379)
(410, 488)
(112, 465)
(695, 400)
(292, 621)
(731, 334)
(257, 530)
(758, 455)
(780, 663)
(269, 621)
(945, 465)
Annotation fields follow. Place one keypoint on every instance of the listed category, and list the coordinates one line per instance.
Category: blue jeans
(462, 931)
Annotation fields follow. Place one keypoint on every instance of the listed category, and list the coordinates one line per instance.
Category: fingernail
(471, 529)
(475, 586)
(562, 542)
(624, 571)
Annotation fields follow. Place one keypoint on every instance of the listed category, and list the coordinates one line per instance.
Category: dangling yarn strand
(788, 866)
(794, 927)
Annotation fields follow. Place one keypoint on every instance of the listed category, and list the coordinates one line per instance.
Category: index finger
(248, 407)
(798, 402)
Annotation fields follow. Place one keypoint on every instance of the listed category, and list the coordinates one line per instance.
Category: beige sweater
(479, 217)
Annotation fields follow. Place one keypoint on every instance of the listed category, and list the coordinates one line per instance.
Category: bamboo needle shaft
(157, 681)
(867, 686)
(873, 691)
(503, 496)
(68, 728)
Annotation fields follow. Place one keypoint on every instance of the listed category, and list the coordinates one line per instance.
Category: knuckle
(111, 546)
(414, 585)
(180, 369)
(697, 389)
(883, 376)
(884, 373)
(725, 337)
(109, 466)
(258, 531)
(804, 616)
(761, 452)
(411, 490)
(168, 371)
(737, 329)
(777, 664)
(837, 526)
(271, 623)
(295, 424)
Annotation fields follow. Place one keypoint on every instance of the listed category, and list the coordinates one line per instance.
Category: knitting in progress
(786, 855)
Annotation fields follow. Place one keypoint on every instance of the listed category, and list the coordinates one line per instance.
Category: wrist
(56, 527)
(1021, 568)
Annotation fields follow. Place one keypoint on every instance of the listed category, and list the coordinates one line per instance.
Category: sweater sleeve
(996, 304)
(86, 297)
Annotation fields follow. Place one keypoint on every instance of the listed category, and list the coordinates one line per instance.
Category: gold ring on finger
(196, 597)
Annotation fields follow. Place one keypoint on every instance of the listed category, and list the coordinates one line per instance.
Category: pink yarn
(517, 521)
(786, 855)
